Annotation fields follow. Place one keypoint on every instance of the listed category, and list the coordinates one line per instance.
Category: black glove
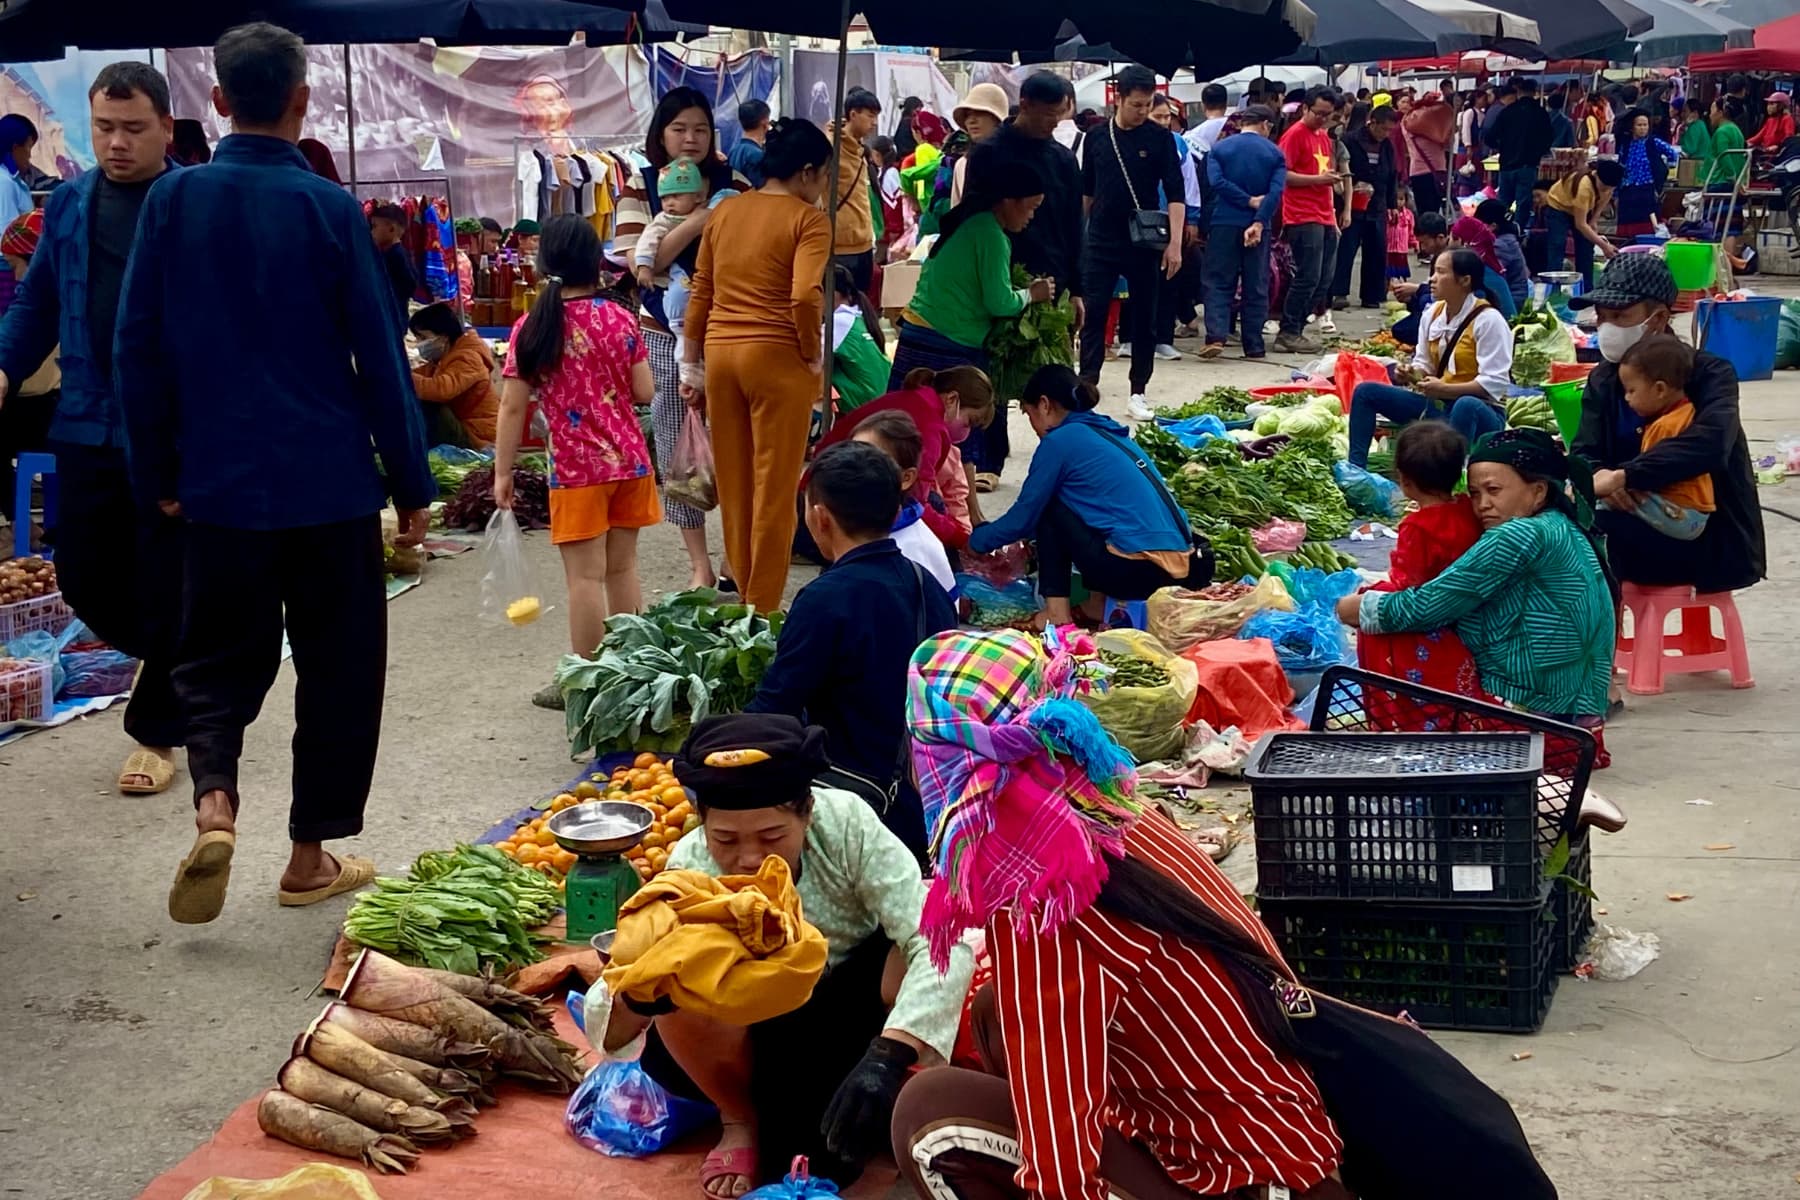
(856, 1122)
(660, 1007)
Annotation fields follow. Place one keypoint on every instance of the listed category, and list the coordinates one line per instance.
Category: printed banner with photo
(54, 96)
(892, 77)
(435, 120)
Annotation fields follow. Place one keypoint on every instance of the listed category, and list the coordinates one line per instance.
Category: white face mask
(1615, 340)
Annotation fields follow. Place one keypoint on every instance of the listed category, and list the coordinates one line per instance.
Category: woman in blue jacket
(1092, 500)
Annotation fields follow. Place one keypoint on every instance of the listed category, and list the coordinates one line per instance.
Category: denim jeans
(1514, 191)
(1470, 416)
(1229, 262)
(1559, 227)
(1315, 256)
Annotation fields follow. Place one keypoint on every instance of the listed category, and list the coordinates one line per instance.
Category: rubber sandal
(158, 770)
(721, 1163)
(199, 892)
(353, 873)
(986, 482)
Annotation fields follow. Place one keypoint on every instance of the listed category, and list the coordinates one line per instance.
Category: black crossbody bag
(1148, 228)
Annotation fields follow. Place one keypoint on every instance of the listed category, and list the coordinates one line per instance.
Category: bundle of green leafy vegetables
(1225, 403)
(1215, 485)
(459, 910)
(1041, 336)
(655, 675)
(450, 465)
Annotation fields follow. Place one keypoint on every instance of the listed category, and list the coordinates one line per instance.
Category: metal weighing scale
(601, 880)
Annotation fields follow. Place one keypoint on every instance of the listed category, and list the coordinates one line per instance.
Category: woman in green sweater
(966, 285)
(1728, 159)
(1533, 599)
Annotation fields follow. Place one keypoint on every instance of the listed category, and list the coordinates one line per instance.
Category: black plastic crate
(1430, 816)
(1353, 701)
(1574, 909)
(1487, 967)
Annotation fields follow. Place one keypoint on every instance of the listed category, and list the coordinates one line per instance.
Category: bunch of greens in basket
(1041, 336)
(656, 674)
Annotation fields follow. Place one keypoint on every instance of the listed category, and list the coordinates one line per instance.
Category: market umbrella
(1754, 13)
(1682, 28)
(1499, 29)
(1356, 31)
(122, 25)
(1578, 28)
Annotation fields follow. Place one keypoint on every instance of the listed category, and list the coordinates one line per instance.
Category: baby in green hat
(681, 188)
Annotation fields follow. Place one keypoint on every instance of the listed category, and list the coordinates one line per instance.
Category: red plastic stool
(1650, 654)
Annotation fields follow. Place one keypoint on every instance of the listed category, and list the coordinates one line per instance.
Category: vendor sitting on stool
(1092, 500)
(1460, 371)
(455, 379)
(822, 1079)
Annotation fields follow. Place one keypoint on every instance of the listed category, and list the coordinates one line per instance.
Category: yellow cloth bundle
(736, 948)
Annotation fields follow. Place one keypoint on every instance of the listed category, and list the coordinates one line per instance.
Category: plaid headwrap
(21, 237)
(1025, 791)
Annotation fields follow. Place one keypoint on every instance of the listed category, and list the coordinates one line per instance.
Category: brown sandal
(199, 892)
(146, 764)
(353, 873)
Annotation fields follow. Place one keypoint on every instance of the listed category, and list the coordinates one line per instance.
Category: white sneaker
(1327, 325)
(1271, 328)
(1140, 409)
(1312, 318)
(1168, 353)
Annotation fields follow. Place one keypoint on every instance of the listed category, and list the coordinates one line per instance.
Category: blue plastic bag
(990, 607)
(1310, 638)
(797, 1184)
(95, 670)
(1369, 494)
(622, 1112)
(38, 646)
(1193, 431)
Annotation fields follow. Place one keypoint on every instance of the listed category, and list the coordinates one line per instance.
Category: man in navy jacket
(260, 370)
(119, 566)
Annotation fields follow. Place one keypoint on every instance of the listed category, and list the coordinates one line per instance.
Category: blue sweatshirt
(1240, 167)
(258, 355)
(1093, 474)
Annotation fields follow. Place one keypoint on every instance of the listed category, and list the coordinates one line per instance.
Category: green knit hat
(681, 178)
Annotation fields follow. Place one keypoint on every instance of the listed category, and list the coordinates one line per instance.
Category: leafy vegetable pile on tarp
(473, 505)
(1217, 487)
(1040, 337)
(656, 674)
(1225, 403)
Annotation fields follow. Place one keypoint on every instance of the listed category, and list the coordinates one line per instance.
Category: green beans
(1131, 671)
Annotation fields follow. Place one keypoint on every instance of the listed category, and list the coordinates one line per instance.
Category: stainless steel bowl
(602, 943)
(601, 826)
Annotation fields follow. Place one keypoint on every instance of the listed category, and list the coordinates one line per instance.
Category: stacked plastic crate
(1415, 852)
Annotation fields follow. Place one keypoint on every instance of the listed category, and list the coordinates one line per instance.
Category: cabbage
(1267, 423)
(1311, 421)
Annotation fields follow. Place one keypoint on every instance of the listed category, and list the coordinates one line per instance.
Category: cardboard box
(898, 283)
(1687, 173)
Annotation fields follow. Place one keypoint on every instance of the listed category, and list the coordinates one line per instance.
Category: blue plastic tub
(1740, 331)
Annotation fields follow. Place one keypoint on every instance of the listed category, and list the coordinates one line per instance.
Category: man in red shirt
(1309, 216)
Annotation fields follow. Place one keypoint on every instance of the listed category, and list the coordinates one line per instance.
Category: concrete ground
(130, 1038)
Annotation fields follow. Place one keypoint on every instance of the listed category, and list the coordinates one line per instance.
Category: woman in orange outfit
(757, 310)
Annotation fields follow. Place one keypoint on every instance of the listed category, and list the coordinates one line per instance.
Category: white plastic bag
(509, 596)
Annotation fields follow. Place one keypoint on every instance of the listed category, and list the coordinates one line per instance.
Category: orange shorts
(582, 513)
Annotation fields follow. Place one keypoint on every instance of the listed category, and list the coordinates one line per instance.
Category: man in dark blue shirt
(258, 362)
(747, 155)
(850, 634)
(119, 566)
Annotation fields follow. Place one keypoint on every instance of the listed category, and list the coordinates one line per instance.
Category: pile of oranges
(647, 781)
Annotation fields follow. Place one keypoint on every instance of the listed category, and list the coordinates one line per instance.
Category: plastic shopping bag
(1180, 618)
(314, 1181)
(1350, 370)
(621, 1111)
(509, 595)
(797, 1184)
(1311, 637)
(692, 480)
(1150, 722)
(985, 606)
(1369, 494)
